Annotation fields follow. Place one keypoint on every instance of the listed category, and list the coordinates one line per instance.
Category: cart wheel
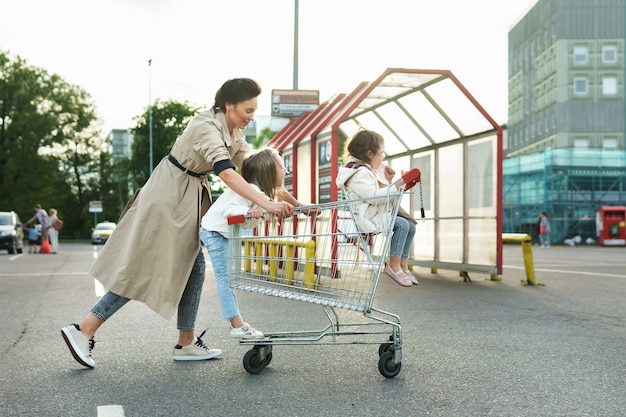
(384, 347)
(268, 358)
(386, 366)
(252, 362)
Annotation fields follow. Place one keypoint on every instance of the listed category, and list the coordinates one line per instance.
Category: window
(580, 86)
(581, 55)
(609, 144)
(609, 54)
(609, 86)
(581, 143)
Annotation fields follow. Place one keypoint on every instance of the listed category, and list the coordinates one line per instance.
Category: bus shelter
(429, 121)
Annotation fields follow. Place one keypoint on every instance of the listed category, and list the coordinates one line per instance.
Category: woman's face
(240, 114)
(280, 172)
(376, 158)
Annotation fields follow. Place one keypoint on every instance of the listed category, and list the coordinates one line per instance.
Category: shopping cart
(323, 259)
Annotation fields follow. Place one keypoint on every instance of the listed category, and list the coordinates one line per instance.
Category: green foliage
(265, 135)
(169, 119)
(48, 141)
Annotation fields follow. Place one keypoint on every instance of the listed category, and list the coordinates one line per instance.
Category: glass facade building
(565, 135)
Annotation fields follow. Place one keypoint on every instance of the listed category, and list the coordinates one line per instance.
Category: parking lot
(485, 348)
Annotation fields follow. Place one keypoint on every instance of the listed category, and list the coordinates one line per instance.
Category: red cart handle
(411, 178)
(236, 219)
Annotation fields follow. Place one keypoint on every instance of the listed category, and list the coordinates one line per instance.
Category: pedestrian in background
(54, 233)
(32, 238)
(544, 230)
(42, 217)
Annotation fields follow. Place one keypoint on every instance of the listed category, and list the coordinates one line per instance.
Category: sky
(196, 45)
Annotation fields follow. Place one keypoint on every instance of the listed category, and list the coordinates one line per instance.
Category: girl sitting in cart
(265, 172)
(364, 155)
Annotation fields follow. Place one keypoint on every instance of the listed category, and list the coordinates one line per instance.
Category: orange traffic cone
(45, 247)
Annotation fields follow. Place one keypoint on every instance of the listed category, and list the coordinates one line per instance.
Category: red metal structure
(429, 121)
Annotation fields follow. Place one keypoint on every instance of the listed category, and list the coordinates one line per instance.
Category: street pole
(295, 46)
(150, 108)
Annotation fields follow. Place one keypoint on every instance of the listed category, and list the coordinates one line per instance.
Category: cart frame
(320, 256)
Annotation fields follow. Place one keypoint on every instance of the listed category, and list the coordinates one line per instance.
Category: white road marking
(99, 288)
(110, 411)
(16, 256)
(564, 271)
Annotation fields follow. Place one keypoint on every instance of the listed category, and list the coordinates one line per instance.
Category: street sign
(95, 206)
(292, 103)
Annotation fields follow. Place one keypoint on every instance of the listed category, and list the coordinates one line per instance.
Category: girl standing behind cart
(265, 172)
(364, 154)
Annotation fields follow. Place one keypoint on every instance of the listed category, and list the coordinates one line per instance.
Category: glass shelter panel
(431, 120)
(450, 187)
(458, 107)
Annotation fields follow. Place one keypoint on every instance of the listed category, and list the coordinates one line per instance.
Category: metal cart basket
(324, 259)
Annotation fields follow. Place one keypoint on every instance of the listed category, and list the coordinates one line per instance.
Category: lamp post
(295, 46)
(150, 109)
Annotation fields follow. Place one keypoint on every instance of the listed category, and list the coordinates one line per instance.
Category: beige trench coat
(151, 253)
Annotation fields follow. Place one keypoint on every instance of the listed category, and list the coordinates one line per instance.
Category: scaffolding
(570, 185)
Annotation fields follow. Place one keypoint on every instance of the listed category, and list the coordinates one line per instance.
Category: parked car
(11, 233)
(102, 232)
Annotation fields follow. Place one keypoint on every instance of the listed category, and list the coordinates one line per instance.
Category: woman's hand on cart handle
(279, 208)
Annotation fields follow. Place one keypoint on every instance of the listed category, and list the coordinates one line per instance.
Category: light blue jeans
(402, 239)
(187, 307)
(217, 246)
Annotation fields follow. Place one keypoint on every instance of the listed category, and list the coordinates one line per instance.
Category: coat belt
(182, 168)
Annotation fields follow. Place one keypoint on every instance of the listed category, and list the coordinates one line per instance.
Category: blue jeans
(187, 306)
(217, 245)
(402, 239)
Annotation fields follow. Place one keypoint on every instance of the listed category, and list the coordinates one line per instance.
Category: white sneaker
(196, 351)
(80, 346)
(245, 332)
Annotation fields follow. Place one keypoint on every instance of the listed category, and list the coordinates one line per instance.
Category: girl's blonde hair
(361, 143)
(260, 168)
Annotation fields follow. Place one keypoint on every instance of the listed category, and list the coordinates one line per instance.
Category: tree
(48, 141)
(169, 119)
(265, 135)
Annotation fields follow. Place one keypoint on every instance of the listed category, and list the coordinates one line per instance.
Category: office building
(565, 143)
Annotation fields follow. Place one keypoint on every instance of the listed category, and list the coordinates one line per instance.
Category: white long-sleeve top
(229, 204)
(363, 182)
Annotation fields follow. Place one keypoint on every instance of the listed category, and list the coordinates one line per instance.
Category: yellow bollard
(258, 257)
(247, 251)
(527, 253)
(290, 264)
(273, 261)
(309, 275)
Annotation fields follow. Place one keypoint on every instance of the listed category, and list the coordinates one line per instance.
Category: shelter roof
(413, 109)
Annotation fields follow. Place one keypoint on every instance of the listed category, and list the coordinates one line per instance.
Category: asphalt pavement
(486, 348)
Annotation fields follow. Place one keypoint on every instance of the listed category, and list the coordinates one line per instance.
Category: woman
(54, 233)
(364, 154)
(154, 253)
(544, 230)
